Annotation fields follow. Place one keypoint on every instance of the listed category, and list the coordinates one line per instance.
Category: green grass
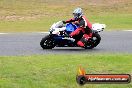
(113, 22)
(26, 26)
(39, 15)
(123, 23)
(59, 71)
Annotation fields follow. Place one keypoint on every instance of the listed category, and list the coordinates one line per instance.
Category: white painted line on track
(27, 33)
(3, 33)
(43, 32)
(127, 30)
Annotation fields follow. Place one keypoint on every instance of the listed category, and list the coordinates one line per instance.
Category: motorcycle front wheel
(47, 42)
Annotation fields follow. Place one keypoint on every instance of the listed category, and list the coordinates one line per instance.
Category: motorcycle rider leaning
(84, 26)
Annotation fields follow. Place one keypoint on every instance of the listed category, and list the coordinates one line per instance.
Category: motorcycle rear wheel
(97, 39)
(93, 42)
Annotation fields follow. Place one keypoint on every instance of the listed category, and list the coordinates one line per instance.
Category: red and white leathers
(84, 26)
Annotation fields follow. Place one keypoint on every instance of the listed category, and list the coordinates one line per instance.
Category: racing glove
(64, 22)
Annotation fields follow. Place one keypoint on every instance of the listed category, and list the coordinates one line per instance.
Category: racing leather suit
(85, 27)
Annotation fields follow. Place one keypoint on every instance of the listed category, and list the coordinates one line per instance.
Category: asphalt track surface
(15, 44)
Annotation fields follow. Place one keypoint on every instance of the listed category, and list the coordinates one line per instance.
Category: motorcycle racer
(85, 26)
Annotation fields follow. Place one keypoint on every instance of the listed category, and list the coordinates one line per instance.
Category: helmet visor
(76, 15)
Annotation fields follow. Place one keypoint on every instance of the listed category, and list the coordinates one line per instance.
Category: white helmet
(77, 13)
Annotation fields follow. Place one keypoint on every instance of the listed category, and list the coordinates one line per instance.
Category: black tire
(93, 42)
(97, 40)
(47, 42)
